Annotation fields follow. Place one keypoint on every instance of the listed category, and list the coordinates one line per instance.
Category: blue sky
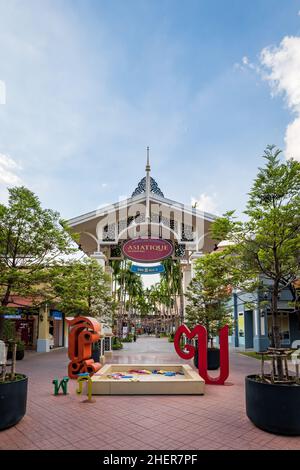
(87, 85)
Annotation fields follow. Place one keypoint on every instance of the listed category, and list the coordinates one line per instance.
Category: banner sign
(147, 250)
(147, 269)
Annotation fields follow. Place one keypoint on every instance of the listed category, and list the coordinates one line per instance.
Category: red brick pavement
(216, 420)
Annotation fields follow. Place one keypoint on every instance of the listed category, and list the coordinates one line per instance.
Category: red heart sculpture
(190, 351)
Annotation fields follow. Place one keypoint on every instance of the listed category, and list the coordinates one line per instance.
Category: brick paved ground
(214, 421)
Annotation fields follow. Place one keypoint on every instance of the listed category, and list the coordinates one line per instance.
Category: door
(57, 333)
(249, 331)
(25, 330)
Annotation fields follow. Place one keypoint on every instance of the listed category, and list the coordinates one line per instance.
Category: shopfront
(25, 322)
(56, 329)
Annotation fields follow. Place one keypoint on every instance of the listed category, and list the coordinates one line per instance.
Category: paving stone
(216, 420)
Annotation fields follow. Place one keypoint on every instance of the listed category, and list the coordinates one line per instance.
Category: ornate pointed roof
(141, 187)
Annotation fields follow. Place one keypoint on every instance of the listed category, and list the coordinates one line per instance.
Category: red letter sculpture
(190, 351)
(83, 332)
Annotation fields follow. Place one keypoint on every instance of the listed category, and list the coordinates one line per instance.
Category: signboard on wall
(147, 269)
(147, 250)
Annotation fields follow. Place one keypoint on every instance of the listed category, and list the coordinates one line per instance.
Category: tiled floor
(216, 420)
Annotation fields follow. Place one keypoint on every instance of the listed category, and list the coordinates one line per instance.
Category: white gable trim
(136, 200)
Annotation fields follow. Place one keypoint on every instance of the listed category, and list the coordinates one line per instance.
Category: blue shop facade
(253, 320)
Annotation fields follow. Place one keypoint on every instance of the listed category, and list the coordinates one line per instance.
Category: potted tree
(13, 388)
(207, 303)
(266, 247)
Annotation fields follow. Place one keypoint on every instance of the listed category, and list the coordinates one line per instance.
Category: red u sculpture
(190, 351)
(84, 331)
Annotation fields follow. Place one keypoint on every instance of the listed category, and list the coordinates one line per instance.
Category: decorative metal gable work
(166, 220)
(112, 230)
(141, 188)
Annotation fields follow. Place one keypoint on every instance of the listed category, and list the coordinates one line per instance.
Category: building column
(66, 331)
(43, 343)
(102, 351)
(109, 271)
(100, 258)
(109, 350)
(193, 258)
(187, 276)
(260, 340)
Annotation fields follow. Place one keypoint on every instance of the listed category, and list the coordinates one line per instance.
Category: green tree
(116, 266)
(134, 289)
(32, 241)
(128, 292)
(83, 288)
(208, 295)
(267, 244)
(173, 285)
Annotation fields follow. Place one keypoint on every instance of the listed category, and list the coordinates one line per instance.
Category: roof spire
(148, 188)
(148, 161)
(147, 183)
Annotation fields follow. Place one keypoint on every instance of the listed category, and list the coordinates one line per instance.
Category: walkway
(216, 420)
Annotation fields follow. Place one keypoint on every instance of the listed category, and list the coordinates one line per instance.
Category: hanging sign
(147, 250)
(56, 314)
(147, 269)
(13, 317)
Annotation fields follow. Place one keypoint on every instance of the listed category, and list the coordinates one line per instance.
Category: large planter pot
(273, 407)
(213, 358)
(13, 399)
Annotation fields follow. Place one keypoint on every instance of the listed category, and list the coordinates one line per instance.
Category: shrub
(171, 338)
(127, 339)
(116, 343)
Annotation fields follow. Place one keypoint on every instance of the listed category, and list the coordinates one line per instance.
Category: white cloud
(246, 64)
(282, 70)
(292, 139)
(205, 203)
(8, 171)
